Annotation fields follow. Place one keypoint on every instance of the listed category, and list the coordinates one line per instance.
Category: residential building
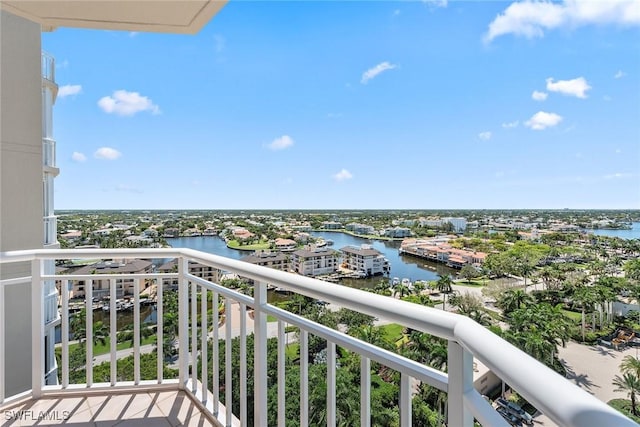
(209, 231)
(277, 260)
(100, 287)
(171, 232)
(459, 224)
(397, 232)
(285, 245)
(200, 270)
(438, 249)
(365, 259)
(331, 225)
(72, 235)
(314, 261)
(360, 228)
(241, 233)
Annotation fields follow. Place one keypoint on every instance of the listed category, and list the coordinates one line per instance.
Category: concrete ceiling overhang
(166, 16)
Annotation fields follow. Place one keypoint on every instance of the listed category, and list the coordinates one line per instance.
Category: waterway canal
(632, 233)
(402, 266)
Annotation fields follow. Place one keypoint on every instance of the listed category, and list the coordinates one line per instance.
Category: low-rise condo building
(200, 270)
(331, 225)
(360, 228)
(314, 261)
(397, 232)
(277, 260)
(100, 287)
(365, 259)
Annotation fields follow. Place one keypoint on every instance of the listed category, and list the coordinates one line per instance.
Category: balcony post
(260, 354)
(460, 371)
(2, 343)
(37, 329)
(183, 325)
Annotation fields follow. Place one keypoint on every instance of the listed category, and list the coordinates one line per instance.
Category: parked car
(512, 419)
(516, 410)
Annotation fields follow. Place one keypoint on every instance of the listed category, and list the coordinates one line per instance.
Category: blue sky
(332, 105)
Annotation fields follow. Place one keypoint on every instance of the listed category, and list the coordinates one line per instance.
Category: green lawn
(624, 406)
(575, 316)
(234, 244)
(392, 332)
(99, 348)
(474, 282)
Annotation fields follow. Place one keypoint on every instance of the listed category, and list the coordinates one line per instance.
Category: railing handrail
(559, 399)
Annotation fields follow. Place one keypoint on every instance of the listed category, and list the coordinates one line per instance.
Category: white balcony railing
(48, 67)
(562, 401)
(49, 152)
(50, 224)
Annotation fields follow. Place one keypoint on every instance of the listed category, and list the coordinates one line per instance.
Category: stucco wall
(20, 181)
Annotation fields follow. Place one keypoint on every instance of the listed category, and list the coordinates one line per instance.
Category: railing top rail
(565, 403)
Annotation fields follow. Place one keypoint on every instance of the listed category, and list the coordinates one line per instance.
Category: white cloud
(281, 143)
(343, 175)
(133, 33)
(127, 188)
(371, 73)
(531, 19)
(618, 175)
(620, 74)
(124, 103)
(539, 96)
(576, 87)
(436, 3)
(107, 153)
(69, 90)
(485, 136)
(78, 157)
(511, 125)
(219, 42)
(542, 120)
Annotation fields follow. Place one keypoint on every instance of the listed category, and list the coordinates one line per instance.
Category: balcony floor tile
(146, 408)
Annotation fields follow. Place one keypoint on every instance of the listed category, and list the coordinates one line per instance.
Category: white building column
(21, 204)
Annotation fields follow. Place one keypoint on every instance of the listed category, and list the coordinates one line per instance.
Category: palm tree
(605, 295)
(586, 297)
(444, 285)
(401, 291)
(630, 384)
(525, 267)
(533, 343)
(630, 365)
(127, 335)
(372, 335)
(427, 349)
(513, 299)
(79, 328)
